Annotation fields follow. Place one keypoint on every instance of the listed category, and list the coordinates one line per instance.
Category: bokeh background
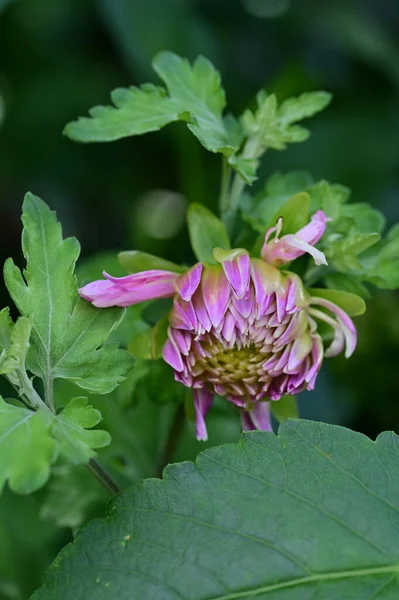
(58, 58)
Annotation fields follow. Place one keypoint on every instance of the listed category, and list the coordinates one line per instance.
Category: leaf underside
(310, 513)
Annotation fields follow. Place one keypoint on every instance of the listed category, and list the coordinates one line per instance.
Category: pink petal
(290, 246)
(188, 283)
(171, 354)
(215, 293)
(237, 273)
(257, 418)
(346, 323)
(124, 291)
(202, 403)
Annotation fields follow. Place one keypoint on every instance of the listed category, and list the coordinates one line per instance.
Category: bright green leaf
(285, 408)
(134, 261)
(71, 429)
(306, 105)
(312, 512)
(352, 304)
(13, 357)
(136, 111)
(26, 448)
(68, 333)
(294, 212)
(206, 232)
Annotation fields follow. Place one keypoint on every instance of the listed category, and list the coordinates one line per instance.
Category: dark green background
(59, 57)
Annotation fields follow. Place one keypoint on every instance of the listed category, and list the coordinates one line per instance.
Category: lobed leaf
(68, 334)
(26, 447)
(311, 512)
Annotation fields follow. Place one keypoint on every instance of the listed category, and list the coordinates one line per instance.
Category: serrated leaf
(134, 261)
(304, 106)
(26, 448)
(247, 167)
(328, 197)
(343, 252)
(206, 233)
(14, 354)
(136, 111)
(194, 95)
(351, 303)
(380, 266)
(71, 429)
(311, 512)
(366, 218)
(67, 333)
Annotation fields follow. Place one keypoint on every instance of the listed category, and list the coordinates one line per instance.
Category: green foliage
(285, 408)
(134, 261)
(273, 125)
(352, 304)
(26, 447)
(15, 342)
(67, 333)
(206, 233)
(260, 501)
(70, 429)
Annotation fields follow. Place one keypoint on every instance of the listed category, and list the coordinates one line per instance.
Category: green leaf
(380, 265)
(70, 495)
(6, 326)
(136, 111)
(67, 332)
(194, 95)
(285, 408)
(304, 106)
(295, 213)
(343, 252)
(197, 90)
(328, 197)
(70, 429)
(134, 261)
(340, 281)
(13, 356)
(352, 304)
(206, 232)
(312, 512)
(366, 218)
(26, 448)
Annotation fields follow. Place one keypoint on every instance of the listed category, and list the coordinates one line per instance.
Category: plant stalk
(103, 477)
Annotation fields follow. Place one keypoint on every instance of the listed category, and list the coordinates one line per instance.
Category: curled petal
(290, 246)
(188, 283)
(132, 289)
(345, 322)
(202, 403)
(257, 418)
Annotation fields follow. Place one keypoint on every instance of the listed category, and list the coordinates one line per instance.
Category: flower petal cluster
(242, 328)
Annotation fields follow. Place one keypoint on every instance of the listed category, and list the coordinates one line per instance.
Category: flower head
(241, 328)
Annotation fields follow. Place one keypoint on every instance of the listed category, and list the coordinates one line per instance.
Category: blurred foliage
(57, 59)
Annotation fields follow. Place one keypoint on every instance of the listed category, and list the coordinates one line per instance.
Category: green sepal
(134, 261)
(206, 233)
(352, 304)
(222, 256)
(285, 408)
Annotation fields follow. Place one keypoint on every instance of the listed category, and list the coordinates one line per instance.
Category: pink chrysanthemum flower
(242, 329)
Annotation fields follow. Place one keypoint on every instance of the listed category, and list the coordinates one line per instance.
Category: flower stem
(224, 196)
(173, 439)
(103, 477)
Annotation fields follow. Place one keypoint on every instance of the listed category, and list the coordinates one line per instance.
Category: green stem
(224, 187)
(27, 393)
(251, 150)
(103, 477)
(49, 393)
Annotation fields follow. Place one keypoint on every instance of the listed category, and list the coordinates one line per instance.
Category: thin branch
(103, 477)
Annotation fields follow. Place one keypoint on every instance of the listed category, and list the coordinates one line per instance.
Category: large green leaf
(206, 232)
(26, 448)
(313, 512)
(67, 333)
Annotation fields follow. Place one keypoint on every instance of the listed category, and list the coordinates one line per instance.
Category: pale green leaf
(294, 212)
(304, 106)
(26, 448)
(13, 357)
(6, 326)
(206, 232)
(312, 512)
(68, 333)
(136, 111)
(134, 261)
(352, 304)
(71, 429)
